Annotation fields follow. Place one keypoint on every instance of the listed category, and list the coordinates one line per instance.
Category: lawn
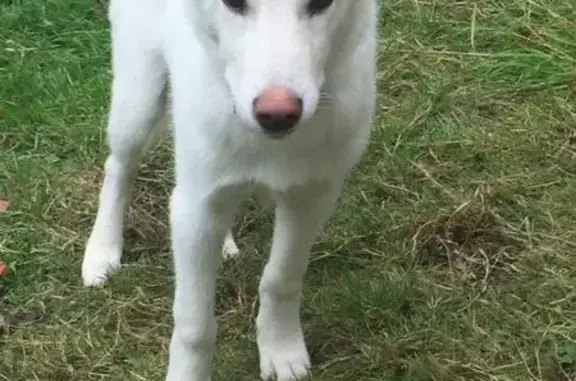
(452, 255)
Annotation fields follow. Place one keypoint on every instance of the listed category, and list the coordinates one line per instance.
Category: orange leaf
(4, 205)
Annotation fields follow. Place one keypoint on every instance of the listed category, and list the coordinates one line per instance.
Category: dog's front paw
(284, 361)
(99, 261)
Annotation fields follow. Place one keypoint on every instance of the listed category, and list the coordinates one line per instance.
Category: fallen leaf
(4, 205)
(3, 268)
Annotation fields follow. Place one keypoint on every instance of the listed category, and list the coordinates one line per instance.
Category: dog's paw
(99, 261)
(283, 362)
(230, 249)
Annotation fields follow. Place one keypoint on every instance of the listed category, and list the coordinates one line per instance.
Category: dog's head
(275, 55)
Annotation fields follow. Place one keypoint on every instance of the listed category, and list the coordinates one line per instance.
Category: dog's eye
(238, 6)
(316, 7)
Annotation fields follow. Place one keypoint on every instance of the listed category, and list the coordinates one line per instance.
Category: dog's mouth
(278, 135)
(272, 134)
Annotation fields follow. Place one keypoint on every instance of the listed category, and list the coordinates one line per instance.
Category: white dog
(266, 95)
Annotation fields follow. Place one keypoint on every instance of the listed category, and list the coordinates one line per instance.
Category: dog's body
(274, 95)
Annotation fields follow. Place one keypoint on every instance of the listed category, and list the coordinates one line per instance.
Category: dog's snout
(277, 110)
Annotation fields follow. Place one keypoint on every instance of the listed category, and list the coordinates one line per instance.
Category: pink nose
(277, 110)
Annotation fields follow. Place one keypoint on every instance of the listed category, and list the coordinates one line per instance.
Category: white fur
(216, 62)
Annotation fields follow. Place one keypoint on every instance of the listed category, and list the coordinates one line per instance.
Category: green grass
(452, 255)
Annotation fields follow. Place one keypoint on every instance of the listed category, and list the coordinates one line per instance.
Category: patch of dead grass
(470, 241)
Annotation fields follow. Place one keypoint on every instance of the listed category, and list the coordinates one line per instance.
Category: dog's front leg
(199, 221)
(300, 213)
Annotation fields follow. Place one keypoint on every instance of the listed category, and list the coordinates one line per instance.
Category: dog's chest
(297, 160)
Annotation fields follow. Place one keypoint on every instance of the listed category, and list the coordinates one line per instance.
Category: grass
(451, 256)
